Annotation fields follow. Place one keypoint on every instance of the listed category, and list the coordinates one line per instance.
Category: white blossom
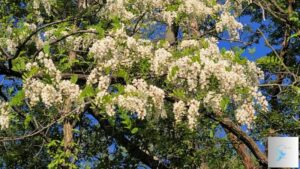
(136, 98)
(4, 115)
(229, 23)
(179, 109)
(213, 100)
(193, 113)
(50, 96)
(160, 60)
(245, 114)
(188, 43)
(133, 104)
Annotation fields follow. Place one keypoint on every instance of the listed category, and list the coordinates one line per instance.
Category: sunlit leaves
(18, 99)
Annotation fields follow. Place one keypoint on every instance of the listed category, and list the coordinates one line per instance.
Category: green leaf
(179, 93)
(224, 103)
(134, 130)
(27, 120)
(211, 133)
(252, 50)
(297, 89)
(174, 70)
(126, 120)
(17, 100)
(116, 22)
(19, 64)
(74, 78)
(204, 43)
(269, 61)
(88, 91)
(122, 73)
(46, 48)
(174, 6)
(144, 66)
(120, 88)
(238, 58)
(244, 90)
(32, 72)
(10, 90)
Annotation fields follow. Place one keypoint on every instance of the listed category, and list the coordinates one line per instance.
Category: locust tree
(81, 75)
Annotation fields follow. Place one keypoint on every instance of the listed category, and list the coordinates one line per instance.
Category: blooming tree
(99, 60)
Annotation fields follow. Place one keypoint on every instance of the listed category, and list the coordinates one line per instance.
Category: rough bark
(242, 151)
(68, 135)
(228, 124)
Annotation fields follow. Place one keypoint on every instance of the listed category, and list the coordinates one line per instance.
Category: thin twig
(2, 139)
(276, 53)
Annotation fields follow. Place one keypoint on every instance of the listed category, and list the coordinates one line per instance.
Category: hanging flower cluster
(54, 94)
(4, 115)
(138, 97)
(203, 70)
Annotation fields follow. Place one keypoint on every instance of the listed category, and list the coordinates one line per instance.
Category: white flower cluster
(203, 69)
(47, 63)
(4, 115)
(193, 112)
(49, 95)
(180, 110)
(138, 98)
(69, 91)
(245, 114)
(116, 8)
(133, 104)
(229, 23)
(33, 90)
(103, 84)
(197, 8)
(103, 47)
(213, 100)
(114, 51)
(55, 94)
(52, 95)
(10, 44)
(160, 60)
(260, 98)
(169, 16)
(198, 71)
(46, 4)
(189, 43)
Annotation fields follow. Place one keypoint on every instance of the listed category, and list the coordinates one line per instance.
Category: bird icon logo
(280, 153)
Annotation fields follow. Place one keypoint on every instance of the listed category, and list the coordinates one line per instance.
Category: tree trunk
(241, 142)
(68, 135)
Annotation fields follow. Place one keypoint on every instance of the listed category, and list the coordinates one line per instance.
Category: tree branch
(228, 124)
(132, 149)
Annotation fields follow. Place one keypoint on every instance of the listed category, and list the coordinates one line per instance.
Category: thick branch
(8, 72)
(242, 151)
(228, 124)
